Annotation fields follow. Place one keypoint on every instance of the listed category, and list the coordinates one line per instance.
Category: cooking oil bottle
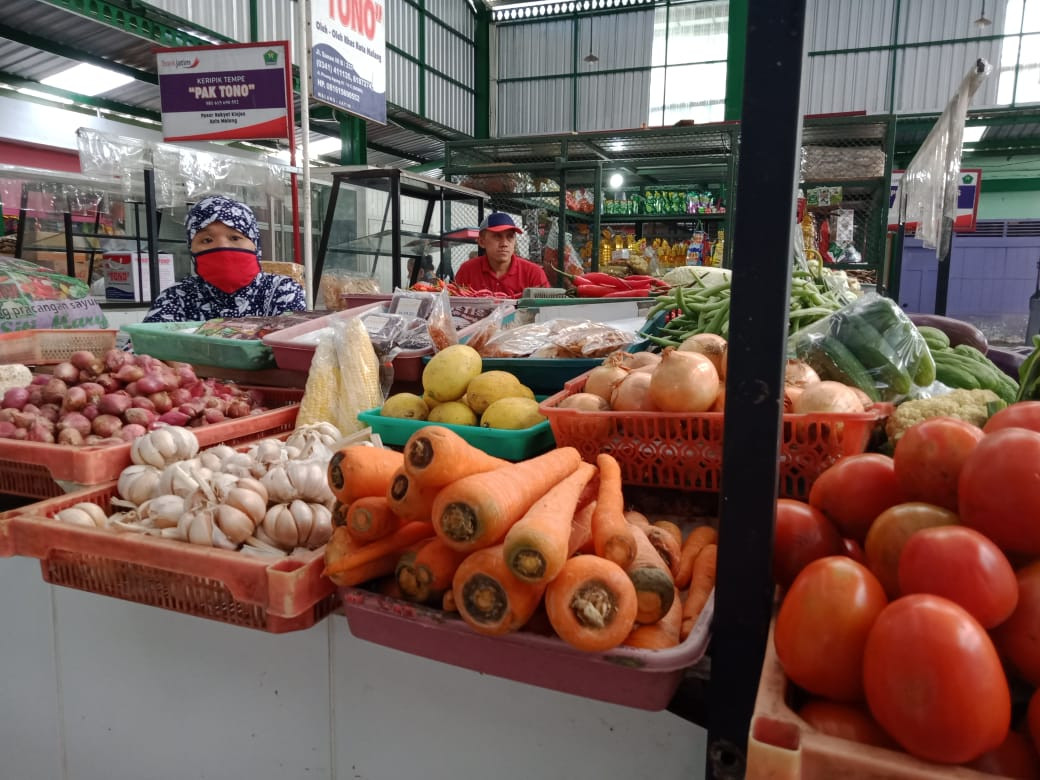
(718, 250)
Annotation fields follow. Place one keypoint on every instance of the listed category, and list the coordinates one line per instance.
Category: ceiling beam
(74, 53)
(87, 101)
(144, 21)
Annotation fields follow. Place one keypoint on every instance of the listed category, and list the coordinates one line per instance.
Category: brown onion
(587, 402)
(604, 378)
(634, 361)
(799, 373)
(827, 397)
(684, 382)
(720, 400)
(712, 346)
(632, 394)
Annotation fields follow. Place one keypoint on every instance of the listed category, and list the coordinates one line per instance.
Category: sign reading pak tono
(232, 91)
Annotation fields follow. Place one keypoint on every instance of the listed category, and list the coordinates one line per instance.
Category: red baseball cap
(499, 222)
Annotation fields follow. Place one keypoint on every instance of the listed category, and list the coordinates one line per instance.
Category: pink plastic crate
(644, 679)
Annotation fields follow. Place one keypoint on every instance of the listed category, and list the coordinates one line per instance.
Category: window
(1020, 54)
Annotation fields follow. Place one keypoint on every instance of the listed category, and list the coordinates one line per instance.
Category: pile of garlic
(271, 497)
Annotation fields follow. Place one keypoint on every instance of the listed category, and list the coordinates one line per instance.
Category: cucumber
(872, 351)
(924, 371)
(934, 337)
(832, 360)
(953, 376)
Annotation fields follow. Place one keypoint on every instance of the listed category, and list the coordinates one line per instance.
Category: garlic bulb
(164, 445)
(178, 479)
(199, 527)
(139, 483)
(162, 511)
(298, 479)
(315, 441)
(85, 514)
(240, 464)
(296, 524)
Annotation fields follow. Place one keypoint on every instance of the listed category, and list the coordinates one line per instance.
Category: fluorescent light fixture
(328, 145)
(86, 79)
(45, 96)
(973, 134)
(616, 180)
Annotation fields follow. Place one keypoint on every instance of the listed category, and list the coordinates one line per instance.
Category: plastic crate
(678, 450)
(273, 595)
(175, 341)
(33, 469)
(510, 445)
(46, 347)
(782, 746)
(645, 679)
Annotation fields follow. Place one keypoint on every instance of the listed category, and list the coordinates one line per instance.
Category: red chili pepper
(597, 277)
(638, 279)
(635, 292)
(580, 281)
(594, 290)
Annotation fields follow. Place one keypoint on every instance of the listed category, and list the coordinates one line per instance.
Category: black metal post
(395, 235)
(326, 229)
(942, 280)
(771, 128)
(70, 248)
(895, 264)
(153, 234)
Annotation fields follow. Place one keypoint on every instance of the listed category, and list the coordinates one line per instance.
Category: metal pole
(942, 280)
(771, 129)
(152, 224)
(303, 40)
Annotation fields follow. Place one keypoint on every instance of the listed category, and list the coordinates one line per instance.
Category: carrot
(356, 471)
(611, 535)
(537, 544)
(655, 587)
(702, 582)
(696, 540)
(490, 597)
(664, 542)
(426, 575)
(339, 513)
(592, 603)
(407, 499)
(660, 635)
(370, 518)
(448, 601)
(408, 534)
(581, 530)
(355, 575)
(477, 511)
(435, 456)
(670, 527)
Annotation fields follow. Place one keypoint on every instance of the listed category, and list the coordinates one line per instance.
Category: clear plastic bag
(870, 344)
(490, 328)
(337, 283)
(441, 325)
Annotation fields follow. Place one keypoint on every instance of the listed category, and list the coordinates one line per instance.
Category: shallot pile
(116, 398)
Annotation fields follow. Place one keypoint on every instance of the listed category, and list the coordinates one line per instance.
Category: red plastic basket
(782, 746)
(645, 679)
(273, 595)
(29, 468)
(46, 346)
(678, 450)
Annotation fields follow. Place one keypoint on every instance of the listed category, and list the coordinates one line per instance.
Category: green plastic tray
(172, 341)
(510, 445)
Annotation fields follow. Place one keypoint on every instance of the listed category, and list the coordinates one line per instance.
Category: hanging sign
(348, 56)
(238, 90)
(969, 185)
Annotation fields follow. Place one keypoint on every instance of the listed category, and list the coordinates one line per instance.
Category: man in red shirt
(500, 269)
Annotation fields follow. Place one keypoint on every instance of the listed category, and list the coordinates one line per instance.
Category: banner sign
(232, 91)
(348, 56)
(968, 189)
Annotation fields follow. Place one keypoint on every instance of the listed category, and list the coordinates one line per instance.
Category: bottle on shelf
(718, 249)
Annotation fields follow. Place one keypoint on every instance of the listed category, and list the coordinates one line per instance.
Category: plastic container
(679, 450)
(175, 341)
(782, 746)
(544, 376)
(46, 347)
(645, 679)
(33, 469)
(510, 445)
(269, 594)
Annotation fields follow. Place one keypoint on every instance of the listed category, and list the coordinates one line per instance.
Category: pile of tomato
(910, 616)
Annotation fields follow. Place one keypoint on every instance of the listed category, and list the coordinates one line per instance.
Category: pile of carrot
(444, 523)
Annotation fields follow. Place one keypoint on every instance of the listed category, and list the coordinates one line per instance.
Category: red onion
(54, 391)
(255, 397)
(36, 394)
(77, 421)
(197, 390)
(86, 361)
(7, 415)
(31, 408)
(75, 399)
(180, 395)
(212, 402)
(41, 379)
(186, 374)
(170, 380)
(129, 373)
(115, 359)
(86, 376)
(138, 416)
(131, 432)
(238, 408)
(141, 402)
(90, 411)
(213, 416)
(106, 425)
(24, 419)
(7, 430)
(114, 403)
(39, 433)
(21, 434)
(109, 383)
(16, 398)
(151, 383)
(93, 390)
(174, 417)
(50, 412)
(131, 389)
(161, 401)
(70, 436)
(66, 372)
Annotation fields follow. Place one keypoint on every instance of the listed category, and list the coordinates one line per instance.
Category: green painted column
(254, 22)
(735, 55)
(353, 134)
(482, 74)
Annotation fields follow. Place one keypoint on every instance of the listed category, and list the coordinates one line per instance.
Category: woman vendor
(224, 241)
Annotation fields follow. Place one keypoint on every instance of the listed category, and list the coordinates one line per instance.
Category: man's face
(498, 245)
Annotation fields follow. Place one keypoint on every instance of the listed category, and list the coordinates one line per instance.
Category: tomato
(999, 490)
(1014, 757)
(822, 626)
(889, 533)
(802, 534)
(1018, 637)
(855, 490)
(1024, 414)
(854, 551)
(846, 721)
(1033, 719)
(929, 456)
(964, 566)
(934, 682)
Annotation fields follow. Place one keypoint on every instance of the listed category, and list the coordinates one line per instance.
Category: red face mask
(227, 269)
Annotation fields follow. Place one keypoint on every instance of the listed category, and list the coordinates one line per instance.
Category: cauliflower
(974, 406)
